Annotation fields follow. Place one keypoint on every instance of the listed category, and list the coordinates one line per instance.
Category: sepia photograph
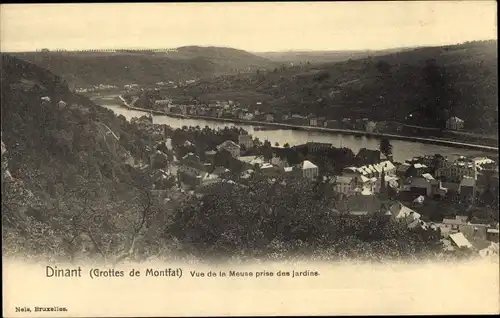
(247, 154)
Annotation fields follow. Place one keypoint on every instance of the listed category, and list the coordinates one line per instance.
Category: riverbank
(434, 141)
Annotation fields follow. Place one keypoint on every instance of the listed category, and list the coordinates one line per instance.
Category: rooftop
(306, 164)
(468, 182)
(460, 240)
(400, 211)
(419, 166)
(228, 144)
(428, 176)
(343, 179)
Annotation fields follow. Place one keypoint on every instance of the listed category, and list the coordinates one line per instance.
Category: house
(61, 104)
(467, 190)
(363, 183)
(390, 181)
(279, 162)
(315, 146)
(402, 213)
(345, 185)
(309, 170)
(230, 146)
(473, 231)
(492, 235)
(454, 123)
(459, 240)
(368, 156)
(457, 171)
(402, 170)
(417, 170)
(269, 170)
(450, 226)
(423, 185)
(162, 102)
(480, 161)
(246, 141)
(334, 124)
(372, 170)
(251, 162)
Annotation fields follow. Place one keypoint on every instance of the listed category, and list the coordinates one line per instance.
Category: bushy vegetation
(290, 218)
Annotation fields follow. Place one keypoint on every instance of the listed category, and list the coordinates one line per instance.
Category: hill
(318, 57)
(68, 171)
(145, 67)
(430, 83)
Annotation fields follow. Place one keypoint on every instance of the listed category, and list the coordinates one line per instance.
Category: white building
(345, 185)
(309, 169)
(479, 161)
(457, 171)
(162, 102)
(371, 171)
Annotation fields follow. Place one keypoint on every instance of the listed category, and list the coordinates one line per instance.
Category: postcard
(259, 158)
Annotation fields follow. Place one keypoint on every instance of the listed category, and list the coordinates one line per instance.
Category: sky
(253, 26)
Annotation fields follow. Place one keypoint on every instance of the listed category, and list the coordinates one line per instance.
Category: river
(402, 150)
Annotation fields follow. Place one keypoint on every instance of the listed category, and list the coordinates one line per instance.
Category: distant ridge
(123, 66)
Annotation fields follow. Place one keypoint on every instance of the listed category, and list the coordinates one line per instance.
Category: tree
(385, 147)
(285, 218)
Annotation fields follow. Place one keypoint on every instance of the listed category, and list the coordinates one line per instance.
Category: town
(457, 198)
(153, 99)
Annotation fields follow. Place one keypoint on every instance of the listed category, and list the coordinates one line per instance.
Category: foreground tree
(287, 217)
